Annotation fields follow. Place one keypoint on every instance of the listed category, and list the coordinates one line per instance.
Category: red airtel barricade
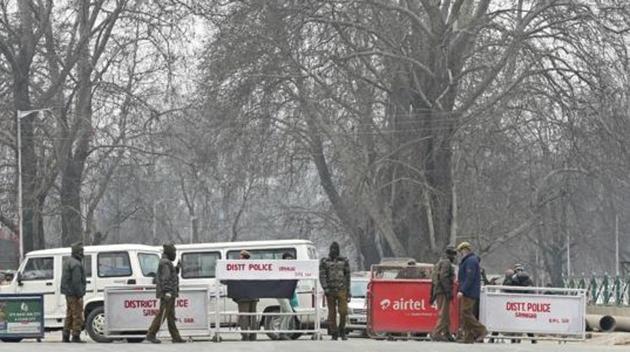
(398, 306)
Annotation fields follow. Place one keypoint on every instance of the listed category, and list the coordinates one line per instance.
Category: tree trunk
(71, 222)
(21, 67)
(368, 248)
(72, 176)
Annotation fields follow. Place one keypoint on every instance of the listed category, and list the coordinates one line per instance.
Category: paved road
(304, 345)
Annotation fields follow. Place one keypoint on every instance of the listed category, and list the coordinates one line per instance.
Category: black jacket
(73, 278)
(166, 280)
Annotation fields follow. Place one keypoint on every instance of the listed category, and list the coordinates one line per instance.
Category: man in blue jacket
(469, 278)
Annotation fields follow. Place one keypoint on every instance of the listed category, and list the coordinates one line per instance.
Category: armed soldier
(442, 281)
(334, 275)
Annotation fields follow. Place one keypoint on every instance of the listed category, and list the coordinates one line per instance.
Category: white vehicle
(107, 265)
(198, 264)
(357, 308)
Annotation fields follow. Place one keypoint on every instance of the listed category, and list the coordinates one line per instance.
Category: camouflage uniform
(442, 280)
(167, 290)
(334, 276)
(73, 283)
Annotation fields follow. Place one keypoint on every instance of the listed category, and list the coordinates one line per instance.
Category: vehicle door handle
(131, 282)
(49, 284)
(88, 281)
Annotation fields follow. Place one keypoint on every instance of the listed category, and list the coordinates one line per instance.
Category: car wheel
(272, 323)
(95, 325)
(11, 339)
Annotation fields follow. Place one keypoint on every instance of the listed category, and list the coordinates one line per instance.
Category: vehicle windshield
(358, 288)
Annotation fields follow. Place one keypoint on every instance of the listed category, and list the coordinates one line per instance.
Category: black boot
(152, 339)
(344, 337)
(335, 336)
(65, 336)
(77, 339)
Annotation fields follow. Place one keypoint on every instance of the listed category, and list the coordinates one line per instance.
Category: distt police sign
(267, 269)
(530, 310)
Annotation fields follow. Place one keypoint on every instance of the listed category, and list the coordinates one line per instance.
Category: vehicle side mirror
(19, 279)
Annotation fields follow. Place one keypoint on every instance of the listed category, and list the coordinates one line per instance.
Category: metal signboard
(533, 310)
(21, 316)
(401, 306)
(131, 310)
(267, 269)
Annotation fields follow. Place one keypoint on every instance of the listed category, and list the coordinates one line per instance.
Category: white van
(198, 264)
(107, 265)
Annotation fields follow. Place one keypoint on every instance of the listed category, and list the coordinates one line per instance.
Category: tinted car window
(199, 265)
(114, 264)
(149, 263)
(38, 269)
(274, 253)
(358, 288)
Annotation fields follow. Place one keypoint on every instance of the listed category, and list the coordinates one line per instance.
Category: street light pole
(20, 114)
(19, 161)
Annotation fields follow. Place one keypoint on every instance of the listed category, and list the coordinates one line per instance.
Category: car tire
(95, 325)
(11, 339)
(273, 323)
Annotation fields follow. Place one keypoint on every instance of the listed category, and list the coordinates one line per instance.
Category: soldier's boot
(151, 338)
(77, 339)
(344, 337)
(438, 338)
(179, 340)
(65, 336)
(335, 336)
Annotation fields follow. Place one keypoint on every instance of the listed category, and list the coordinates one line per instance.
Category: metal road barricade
(541, 312)
(399, 302)
(267, 271)
(129, 311)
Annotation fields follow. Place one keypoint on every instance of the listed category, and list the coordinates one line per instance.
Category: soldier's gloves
(349, 298)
